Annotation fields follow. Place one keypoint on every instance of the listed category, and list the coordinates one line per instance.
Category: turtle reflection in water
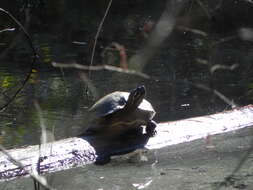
(122, 113)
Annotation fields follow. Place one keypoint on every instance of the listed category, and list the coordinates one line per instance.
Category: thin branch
(216, 92)
(223, 40)
(7, 30)
(204, 9)
(143, 75)
(224, 67)
(97, 34)
(89, 84)
(41, 180)
(35, 56)
(192, 30)
(100, 67)
(46, 137)
(22, 28)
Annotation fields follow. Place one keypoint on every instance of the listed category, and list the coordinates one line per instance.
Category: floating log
(80, 151)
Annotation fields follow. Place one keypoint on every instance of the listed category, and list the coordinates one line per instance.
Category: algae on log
(79, 151)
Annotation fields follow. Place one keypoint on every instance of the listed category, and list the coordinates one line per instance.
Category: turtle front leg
(150, 128)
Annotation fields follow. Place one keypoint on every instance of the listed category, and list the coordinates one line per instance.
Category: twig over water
(97, 34)
(101, 67)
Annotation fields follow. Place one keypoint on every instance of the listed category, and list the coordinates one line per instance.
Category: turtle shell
(116, 101)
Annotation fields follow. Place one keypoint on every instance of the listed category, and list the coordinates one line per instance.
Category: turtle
(119, 113)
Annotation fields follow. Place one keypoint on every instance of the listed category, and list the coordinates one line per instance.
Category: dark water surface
(64, 100)
(191, 74)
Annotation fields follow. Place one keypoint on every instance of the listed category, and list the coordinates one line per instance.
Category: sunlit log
(80, 151)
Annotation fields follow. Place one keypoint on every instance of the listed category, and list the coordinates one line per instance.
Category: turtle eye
(136, 94)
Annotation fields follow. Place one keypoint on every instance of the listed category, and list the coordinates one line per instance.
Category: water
(64, 102)
(178, 69)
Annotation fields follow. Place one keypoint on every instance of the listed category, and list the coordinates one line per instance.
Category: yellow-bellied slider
(120, 112)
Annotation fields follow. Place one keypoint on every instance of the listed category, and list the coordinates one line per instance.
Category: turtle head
(135, 97)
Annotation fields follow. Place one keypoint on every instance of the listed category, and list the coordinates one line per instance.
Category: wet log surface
(79, 151)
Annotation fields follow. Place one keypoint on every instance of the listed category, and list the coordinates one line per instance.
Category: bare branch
(7, 30)
(216, 92)
(192, 30)
(101, 67)
(204, 9)
(97, 34)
